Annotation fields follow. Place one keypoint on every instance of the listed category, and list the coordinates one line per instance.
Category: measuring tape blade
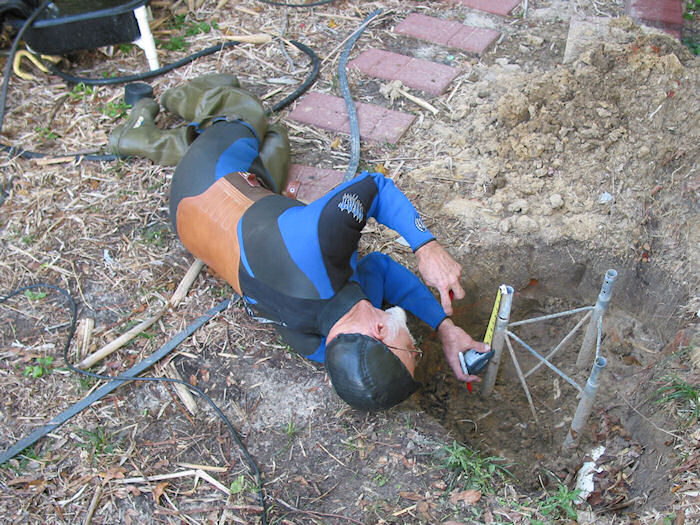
(494, 313)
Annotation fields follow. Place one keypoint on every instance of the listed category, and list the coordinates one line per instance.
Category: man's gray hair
(397, 316)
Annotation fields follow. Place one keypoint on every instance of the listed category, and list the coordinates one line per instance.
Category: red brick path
(447, 32)
(664, 14)
(376, 123)
(497, 7)
(328, 112)
(413, 72)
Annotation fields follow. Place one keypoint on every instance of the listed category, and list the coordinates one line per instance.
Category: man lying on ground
(297, 265)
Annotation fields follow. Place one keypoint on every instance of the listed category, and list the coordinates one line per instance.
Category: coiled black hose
(19, 152)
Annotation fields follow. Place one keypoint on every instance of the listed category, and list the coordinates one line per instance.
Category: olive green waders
(200, 102)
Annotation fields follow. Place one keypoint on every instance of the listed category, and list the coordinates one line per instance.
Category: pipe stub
(135, 91)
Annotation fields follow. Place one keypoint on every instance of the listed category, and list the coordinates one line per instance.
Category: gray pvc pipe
(498, 341)
(601, 305)
(585, 405)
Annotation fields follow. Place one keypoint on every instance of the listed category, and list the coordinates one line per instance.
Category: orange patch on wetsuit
(208, 226)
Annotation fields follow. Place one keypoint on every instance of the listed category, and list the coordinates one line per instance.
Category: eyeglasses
(417, 351)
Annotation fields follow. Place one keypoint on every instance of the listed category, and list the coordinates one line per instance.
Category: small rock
(499, 181)
(603, 113)
(525, 224)
(556, 201)
(534, 40)
(643, 151)
(605, 197)
(519, 206)
(503, 62)
(505, 225)
(524, 49)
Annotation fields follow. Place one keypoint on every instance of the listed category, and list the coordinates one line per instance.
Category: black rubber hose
(71, 331)
(140, 76)
(349, 103)
(11, 56)
(26, 154)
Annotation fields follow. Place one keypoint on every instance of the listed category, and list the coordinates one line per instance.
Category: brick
(314, 182)
(375, 122)
(412, 72)
(496, 7)
(476, 40)
(447, 33)
(663, 14)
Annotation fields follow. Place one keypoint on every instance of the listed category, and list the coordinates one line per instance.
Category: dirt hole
(550, 280)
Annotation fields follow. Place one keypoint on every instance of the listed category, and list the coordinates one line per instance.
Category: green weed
(198, 28)
(559, 506)
(290, 430)
(380, 479)
(80, 90)
(691, 44)
(86, 382)
(116, 110)
(692, 8)
(177, 22)
(97, 442)
(23, 459)
(685, 395)
(28, 240)
(45, 134)
(42, 367)
(480, 473)
(34, 296)
(176, 43)
(241, 484)
(155, 236)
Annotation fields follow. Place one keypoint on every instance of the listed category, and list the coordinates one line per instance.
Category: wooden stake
(181, 390)
(93, 505)
(120, 341)
(259, 38)
(85, 328)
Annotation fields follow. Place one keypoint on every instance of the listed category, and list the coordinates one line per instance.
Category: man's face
(387, 326)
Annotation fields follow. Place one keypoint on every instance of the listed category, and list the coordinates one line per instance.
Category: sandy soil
(552, 159)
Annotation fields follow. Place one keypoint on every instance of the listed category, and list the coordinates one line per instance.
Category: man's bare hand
(455, 340)
(441, 271)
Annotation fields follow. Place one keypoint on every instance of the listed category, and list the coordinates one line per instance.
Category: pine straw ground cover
(145, 454)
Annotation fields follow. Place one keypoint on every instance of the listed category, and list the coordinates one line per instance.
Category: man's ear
(379, 330)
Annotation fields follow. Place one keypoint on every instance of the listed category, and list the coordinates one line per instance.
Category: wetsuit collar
(336, 307)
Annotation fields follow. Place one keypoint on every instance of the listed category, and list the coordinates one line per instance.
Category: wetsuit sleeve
(311, 346)
(385, 280)
(393, 209)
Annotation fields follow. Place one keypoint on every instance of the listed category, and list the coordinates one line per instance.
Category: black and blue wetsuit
(298, 264)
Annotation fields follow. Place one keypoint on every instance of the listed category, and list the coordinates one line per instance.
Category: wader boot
(208, 97)
(274, 154)
(140, 136)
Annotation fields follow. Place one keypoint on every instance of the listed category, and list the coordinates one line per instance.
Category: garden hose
(349, 103)
(130, 375)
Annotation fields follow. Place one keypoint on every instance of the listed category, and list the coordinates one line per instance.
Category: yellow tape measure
(494, 313)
